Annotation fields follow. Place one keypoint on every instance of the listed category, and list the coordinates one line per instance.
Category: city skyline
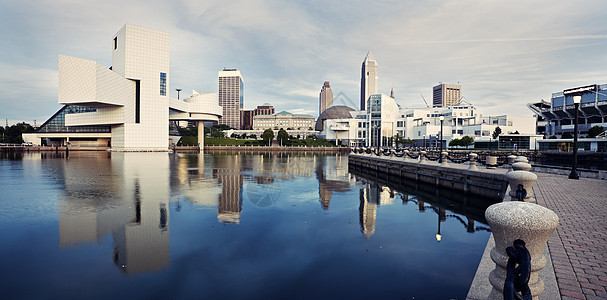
(505, 55)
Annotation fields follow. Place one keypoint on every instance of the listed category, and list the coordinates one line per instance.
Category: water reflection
(466, 209)
(129, 195)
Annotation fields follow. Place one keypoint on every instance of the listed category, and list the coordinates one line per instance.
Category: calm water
(246, 226)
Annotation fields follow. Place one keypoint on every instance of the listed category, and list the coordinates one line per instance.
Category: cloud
(504, 53)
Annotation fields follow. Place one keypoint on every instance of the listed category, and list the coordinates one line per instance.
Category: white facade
(283, 120)
(378, 124)
(131, 96)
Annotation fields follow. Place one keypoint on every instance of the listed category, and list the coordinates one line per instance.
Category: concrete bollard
(511, 159)
(529, 222)
(521, 175)
(473, 157)
(491, 162)
(444, 162)
(422, 157)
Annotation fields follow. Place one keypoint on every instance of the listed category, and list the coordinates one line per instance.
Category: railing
(457, 157)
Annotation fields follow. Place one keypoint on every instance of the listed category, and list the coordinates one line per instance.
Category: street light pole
(576, 102)
(424, 141)
(440, 155)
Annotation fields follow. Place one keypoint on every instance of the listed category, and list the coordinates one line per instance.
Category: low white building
(284, 120)
(384, 119)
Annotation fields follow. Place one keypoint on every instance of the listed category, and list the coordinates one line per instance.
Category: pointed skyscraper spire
(368, 79)
(369, 56)
(392, 93)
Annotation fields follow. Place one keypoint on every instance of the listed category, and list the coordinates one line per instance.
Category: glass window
(163, 84)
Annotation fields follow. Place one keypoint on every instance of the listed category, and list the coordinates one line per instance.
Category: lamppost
(576, 102)
(424, 141)
(440, 155)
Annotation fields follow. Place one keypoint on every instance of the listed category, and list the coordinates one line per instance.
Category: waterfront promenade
(578, 247)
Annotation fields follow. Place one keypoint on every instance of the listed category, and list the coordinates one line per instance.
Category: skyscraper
(231, 96)
(325, 100)
(368, 79)
(444, 95)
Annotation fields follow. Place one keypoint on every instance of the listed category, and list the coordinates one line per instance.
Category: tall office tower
(231, 96)
(368, 79)
(325, 100)
(444, 95)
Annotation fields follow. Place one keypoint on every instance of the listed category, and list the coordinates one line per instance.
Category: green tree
(566, 135)
(13, 133)
(283, 136)
(253, 136)
(455, 142)
(217, 131)
(595, 130)
(496, 132)
(467, 141)
(267, 136)
(188, 131)
(2, 134)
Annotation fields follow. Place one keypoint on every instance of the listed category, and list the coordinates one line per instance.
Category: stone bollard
(491, 162)
(511, 159)
(473, 157)
(529, 222)
(444, 162)
(520, 175)
(422, 157)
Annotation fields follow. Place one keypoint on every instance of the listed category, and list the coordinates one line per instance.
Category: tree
(253, 136)
(217, 131)
(496, 132)
(455, 142)
(467, 141)
(283, 136)
(13, 133)
(2, 134)
(267, 136)
(595, 130)
(566, 135)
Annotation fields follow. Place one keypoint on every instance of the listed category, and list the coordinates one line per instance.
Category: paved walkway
(578, 248)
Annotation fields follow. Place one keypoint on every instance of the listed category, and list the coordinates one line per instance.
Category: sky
(505, 54)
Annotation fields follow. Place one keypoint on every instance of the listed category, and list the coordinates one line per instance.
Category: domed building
(333, 112)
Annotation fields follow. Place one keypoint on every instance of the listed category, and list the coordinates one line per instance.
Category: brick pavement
(578, 248)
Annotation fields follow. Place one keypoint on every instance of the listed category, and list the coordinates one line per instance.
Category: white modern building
(384, 119)
(125, 106)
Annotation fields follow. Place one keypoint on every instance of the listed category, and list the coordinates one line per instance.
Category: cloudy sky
(504, 53)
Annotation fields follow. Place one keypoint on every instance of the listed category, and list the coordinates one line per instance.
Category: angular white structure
(128, 99)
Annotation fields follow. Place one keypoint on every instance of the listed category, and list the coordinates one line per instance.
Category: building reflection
(374, 194)
(332, 175)
(126, 196)
(228, 174)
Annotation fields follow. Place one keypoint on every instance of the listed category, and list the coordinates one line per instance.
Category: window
(163, 84)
